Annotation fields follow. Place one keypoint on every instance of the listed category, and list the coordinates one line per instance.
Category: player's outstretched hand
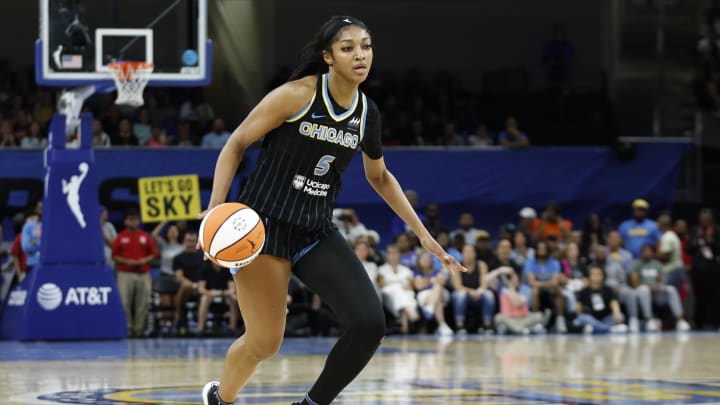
(432, 246)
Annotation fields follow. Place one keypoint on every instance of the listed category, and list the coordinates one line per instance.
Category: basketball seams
(259, 223)
(217, 228)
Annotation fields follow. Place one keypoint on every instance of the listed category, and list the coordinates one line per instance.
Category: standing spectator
(187, 266)
(100, 138)
(616, 253)
(521, 252)
(431, 293)
(681, 229)
(705, 274)
(558, 56)
(514, 315)
(432, 220)
(597, 307)
(31, 237)
(639, 230)
(109, 233)
(705, 233)
(396, 282)
(397, 224)
(216, 285)
(543, 273)
(670, 253)
(133, 249)
(467, 228)
(662, 295)
(169, 245)
(216, 138)
(512, 137)
(592, 235)
(551, 223)
(471, 291)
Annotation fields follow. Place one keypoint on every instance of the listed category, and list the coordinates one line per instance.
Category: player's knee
(264, 347)
(370, 330)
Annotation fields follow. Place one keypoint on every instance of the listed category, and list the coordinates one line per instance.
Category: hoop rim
(124, 70)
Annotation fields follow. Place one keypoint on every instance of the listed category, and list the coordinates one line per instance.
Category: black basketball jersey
(299, 170)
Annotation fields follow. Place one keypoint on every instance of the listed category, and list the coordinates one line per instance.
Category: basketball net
(131, 77)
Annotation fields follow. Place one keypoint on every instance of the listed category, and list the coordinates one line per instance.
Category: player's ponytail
(310, 59)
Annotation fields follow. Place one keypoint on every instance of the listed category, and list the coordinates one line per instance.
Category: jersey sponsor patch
(310, 186)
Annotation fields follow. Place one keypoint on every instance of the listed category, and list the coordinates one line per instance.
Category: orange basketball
(232, 235)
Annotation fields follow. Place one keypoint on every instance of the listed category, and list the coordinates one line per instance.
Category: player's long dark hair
(310, 59)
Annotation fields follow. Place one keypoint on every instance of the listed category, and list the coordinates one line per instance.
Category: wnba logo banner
(71, 293)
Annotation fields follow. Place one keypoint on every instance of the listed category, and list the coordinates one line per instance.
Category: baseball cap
(527, 212)
(640, 203)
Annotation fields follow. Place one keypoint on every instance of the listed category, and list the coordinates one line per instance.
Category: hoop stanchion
(131, 77)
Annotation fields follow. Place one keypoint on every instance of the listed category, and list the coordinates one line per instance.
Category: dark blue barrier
(492, 184)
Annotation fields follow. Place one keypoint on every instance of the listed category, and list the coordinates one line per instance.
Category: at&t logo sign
(50, 296)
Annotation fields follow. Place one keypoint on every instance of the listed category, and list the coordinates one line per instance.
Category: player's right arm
(276, 107)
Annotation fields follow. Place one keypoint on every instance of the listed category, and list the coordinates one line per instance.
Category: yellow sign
(169, 198)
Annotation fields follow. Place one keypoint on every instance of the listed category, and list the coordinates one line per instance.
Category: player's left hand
(432, 246)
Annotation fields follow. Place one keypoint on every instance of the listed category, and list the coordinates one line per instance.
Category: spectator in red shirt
(19, 259)
(132, 251)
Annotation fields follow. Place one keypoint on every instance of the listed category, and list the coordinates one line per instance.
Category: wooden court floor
(634, 369)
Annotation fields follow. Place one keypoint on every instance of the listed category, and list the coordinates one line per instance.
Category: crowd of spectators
(539, 273)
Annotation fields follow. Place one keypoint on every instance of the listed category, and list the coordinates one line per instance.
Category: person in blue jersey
(639, 230)
(313, 126)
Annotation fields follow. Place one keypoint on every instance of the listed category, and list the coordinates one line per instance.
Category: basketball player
(313, 126)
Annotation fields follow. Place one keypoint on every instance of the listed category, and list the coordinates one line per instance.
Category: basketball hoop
(131, 77)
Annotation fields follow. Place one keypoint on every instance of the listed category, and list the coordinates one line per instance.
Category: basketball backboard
(79, 38)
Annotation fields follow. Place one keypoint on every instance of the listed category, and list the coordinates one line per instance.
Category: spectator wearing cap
(551, 223)
(398, 225)
(527, 215)
(467, 228)
(507, 231)
(132, 251)
(639, 230)
(482, 247)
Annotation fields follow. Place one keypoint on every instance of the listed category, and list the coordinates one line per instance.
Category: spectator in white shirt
(395, 281)
(467, 228)
(670, 253)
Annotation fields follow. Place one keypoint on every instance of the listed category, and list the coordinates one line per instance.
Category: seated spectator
(125, 136)
(466, 229)
(598, 309)
(396, 283)
(554, 246)
(450, 136)
(616, 277)
(185, 138)
(431, 293)
(34, 139)
(616, 253)
(647, 272)
(639, 230)
(483, 250)
(362, 251)
(526, 215)
(7, 136)
(187, 266)
(216, 285)
(646, 268)
(574, 274)
(507, 231)
(142, 128)
(432, 220)
(398, 225)
(350, 226)
(543, 273)
(521, 252)
(408, 256)
(514, 315)
(481, 137)
(551, 223)
(512, 137)
(100, 138)
(158, 139)
(217, 137)
(592, 235)
(471, 291)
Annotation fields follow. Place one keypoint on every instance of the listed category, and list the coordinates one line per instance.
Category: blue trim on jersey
(328, 103)
(364, 116)
(299, 255)
(304, 110)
